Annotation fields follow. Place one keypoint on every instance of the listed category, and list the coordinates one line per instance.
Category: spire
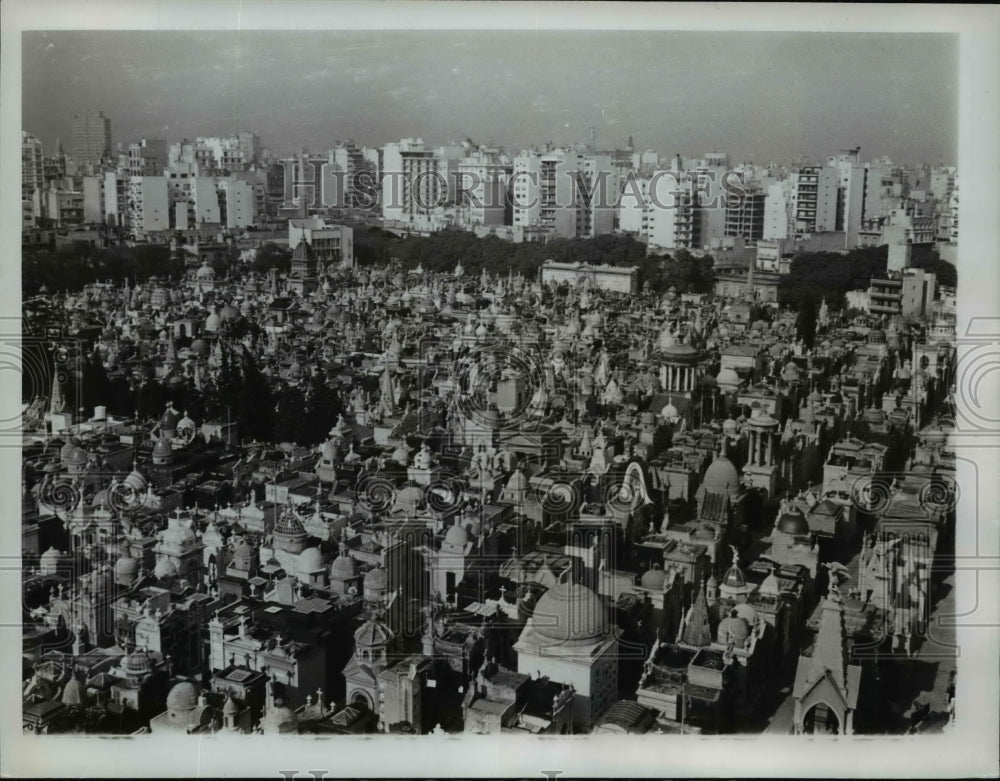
(830, 653)
(56, 403)
(697, 631)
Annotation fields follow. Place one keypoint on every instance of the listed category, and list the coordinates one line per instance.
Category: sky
(761, 97)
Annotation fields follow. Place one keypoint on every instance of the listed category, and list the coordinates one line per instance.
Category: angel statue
(838, 574)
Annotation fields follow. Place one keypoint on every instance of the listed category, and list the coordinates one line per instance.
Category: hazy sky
(761, 97)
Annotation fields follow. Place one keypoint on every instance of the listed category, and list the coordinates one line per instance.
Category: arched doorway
(362, 699)
(821, 719)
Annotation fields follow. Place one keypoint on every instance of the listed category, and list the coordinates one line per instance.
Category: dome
(734, 579)
(376, 580)
(727, 378)
(74, 693)
(183, 697)
(669, 411)
(212, 322)
(230, 708)
(721, 477)
(289, 525)
(733, 629)
(310, 560)
(570, 612)
(372, 633)
(77, 457)
(126, 569)
(730, 427)
(186, 424)
(199, 347)
(205, 272)
(165, 568)
(229, 312)
(66, 451)
(343, 568)
(793, 522)
(653, 579)
(161, 450)
(137, 663)
(746, 611)
(303, 251)
(457, 536)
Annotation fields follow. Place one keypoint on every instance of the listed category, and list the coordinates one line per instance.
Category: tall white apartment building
(416, 180)
(565, 192)
(852, 178)
(147, 208)
(483, 177)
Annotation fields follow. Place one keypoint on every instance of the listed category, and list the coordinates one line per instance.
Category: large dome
(376, 580)
(183, 697)
(793, 522)
(343, 568)
(570, 612)
(721, 477)
(126, 569)
(457, 536)
(310, 561)
(372, 634)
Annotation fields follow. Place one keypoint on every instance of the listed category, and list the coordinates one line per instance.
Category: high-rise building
(32, 165)
(852, 181)
(91, 138)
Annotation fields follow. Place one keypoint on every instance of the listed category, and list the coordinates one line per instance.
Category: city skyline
(883, 92)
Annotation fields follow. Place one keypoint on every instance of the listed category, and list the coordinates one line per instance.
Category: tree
(805, 323)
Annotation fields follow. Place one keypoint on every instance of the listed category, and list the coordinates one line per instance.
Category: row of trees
(818, 275)
(442, 251)
(72, 267)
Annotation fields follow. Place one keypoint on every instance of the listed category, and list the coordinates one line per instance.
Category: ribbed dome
(794, 522)
(229, 312)
(372, 634)
(161, 450)
(183, 697)
(721, 477)
(289, 525)
(570, 613)
(199, 347)
(734, 578)
(135, 481)
(137, 663)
